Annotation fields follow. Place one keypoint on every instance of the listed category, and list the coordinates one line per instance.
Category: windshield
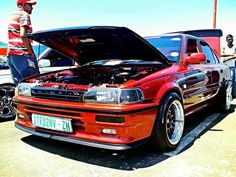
(38, 49)
(170, 46)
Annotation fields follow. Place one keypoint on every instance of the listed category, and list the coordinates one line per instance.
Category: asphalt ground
(208, 148)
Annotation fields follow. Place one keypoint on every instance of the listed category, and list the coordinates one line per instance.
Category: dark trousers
(22, 66)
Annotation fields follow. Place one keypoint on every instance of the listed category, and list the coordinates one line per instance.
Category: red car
(126, 90)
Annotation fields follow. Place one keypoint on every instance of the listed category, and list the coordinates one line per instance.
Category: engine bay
(97, 75)
(72, 84)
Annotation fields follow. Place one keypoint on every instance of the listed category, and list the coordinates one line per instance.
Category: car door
(197, 78)
(5, 74)
(214, 67)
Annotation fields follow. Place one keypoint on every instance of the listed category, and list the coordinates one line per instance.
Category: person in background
(20, 54)
(229, 50)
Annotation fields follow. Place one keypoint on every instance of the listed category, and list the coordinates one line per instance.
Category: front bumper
(137, 124)
(80, 141)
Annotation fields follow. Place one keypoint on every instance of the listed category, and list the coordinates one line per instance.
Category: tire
(169, 125)
(225, 97)
(7, 110)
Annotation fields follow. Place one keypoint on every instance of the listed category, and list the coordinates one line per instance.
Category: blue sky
(146, 17)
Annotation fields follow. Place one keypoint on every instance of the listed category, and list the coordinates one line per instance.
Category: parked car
(49, 60)
(128, 90)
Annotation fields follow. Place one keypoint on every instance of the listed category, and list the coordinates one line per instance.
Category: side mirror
(43, 63)
(195, 58)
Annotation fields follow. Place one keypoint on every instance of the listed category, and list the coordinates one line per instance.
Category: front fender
(167, 87)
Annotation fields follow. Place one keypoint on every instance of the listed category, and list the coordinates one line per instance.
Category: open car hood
(87, 44)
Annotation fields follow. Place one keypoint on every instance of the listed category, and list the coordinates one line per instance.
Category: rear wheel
(7, 110)
(225, 98)
(169, 125)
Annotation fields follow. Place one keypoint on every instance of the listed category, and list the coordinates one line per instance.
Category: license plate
(52, 123)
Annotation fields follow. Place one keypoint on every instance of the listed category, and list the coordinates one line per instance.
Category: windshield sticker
(174, 54)
(176, 39)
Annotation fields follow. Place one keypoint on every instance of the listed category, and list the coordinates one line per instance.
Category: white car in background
(48, 60)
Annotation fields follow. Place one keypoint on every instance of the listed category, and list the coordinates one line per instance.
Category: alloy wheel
(175, 122)
(7, 109)
(228, 97)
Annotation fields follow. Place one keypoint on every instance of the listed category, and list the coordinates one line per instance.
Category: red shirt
(15, 43)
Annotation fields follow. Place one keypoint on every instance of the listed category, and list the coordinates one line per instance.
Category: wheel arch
(160, 139)
(8, 84)
(167, 88)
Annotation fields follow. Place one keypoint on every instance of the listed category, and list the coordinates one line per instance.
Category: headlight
(113, 95)
(24, 89)
(131, 96)
(101, 95)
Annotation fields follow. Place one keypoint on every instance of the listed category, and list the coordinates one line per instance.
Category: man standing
(230, 48)
(21, 57)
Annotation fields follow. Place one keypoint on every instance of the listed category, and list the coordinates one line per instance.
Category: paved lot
(208, 149)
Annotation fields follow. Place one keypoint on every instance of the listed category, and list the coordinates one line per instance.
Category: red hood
(92, 43)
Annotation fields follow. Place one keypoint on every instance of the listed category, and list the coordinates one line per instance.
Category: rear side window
(210, 55)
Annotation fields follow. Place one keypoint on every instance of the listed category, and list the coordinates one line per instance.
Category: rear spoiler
(203, 33)
(211, 36)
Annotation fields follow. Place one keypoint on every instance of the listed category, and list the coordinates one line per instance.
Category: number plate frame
(52, 123)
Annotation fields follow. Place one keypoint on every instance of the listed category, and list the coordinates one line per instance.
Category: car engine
(72, 84)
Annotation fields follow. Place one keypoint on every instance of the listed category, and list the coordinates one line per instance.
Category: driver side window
(191, 47)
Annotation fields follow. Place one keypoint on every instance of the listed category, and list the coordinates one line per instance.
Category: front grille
(57, 94)
(66, 114)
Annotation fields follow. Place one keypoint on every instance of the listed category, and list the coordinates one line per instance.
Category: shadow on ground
(6, 120)
(140, 157)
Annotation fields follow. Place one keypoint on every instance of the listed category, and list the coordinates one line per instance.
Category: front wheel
(169, 125)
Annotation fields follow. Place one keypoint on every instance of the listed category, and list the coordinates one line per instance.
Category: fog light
(109, 131)
(21, 116)
(110, 119)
